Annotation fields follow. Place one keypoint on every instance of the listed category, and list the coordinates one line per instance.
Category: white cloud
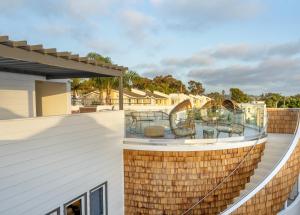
(270, 75)
(89, 7)
(137, 25)
(197, 14)
(239, 51)
(194, 60)
(253, 67)
(248, 52)
(286, 49)
(101, 46)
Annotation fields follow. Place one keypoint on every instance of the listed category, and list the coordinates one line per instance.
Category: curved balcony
(167, 174)
(241, 174)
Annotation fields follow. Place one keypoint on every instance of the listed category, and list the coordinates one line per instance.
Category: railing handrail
(276, 168)
(228, 176)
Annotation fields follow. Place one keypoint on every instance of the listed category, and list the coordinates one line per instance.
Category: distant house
(129, 98)
(198, 101)
(139, 97)
(176, 98)
(156, 99)
(133, 97)
(161, 98)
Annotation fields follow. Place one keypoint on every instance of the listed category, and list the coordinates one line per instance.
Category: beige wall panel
(51, 98)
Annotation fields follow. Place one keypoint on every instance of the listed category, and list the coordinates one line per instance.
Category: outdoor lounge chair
(230, 129)
(182, 127)
(231, 126)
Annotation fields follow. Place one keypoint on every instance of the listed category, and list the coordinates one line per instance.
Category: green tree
(239, 96)
(98, 57)
(130, 77)
(103, 84)
(143, 83)
(218, 98)
(86, 86)
(195, 87)
(98, 83)
(168, 84)
(291, 102)
(75, 86)
(273, 100)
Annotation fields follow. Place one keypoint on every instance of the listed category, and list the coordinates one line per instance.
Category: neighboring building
(95, 98)
(150, 98)
(176, 98)
(134, 97)
(139, 97)
(198, 101)
(163, 98)
(157, 99)
(129, 98)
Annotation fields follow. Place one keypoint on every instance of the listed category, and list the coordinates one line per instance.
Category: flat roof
(19, 57)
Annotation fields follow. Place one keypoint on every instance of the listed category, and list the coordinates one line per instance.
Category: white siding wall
(46, 162)
(17, 95)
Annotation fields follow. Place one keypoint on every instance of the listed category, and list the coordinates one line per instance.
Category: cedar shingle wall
(282, 120)
(170, 182)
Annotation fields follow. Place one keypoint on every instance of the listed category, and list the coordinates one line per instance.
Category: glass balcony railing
(204, 123)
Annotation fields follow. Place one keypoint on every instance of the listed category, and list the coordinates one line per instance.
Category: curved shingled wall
(270, 199)
(158, 182)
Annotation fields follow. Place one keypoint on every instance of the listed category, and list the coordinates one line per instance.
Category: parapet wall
(282, 120)
(158, 182)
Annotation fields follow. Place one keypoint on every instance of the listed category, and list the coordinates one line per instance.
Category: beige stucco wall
(51, 98)
(17, 95)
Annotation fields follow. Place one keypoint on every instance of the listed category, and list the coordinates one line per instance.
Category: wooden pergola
(19, 57)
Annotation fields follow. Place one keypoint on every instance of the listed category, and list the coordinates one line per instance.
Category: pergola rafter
(20, 57)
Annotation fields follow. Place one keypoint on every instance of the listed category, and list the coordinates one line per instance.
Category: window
(76, 207)
(98, 200)
(54, 212)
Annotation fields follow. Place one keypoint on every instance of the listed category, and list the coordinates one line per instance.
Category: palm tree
(99, 58)
(99, 85)
(75, 86)
(109, 84)
(102, 84)
(129, 78)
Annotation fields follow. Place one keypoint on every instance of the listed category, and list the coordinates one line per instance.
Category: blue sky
(250, 44)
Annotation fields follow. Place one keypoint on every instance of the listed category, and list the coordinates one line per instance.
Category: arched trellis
(231, 105)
